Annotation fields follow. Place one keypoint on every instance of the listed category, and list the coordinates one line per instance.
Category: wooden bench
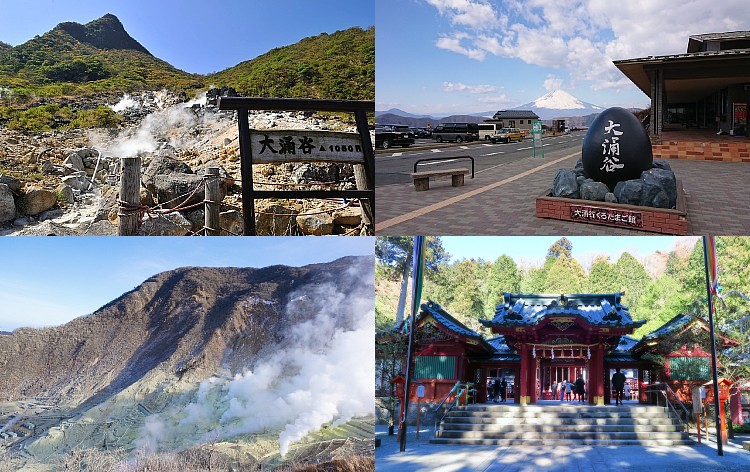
(422, 179)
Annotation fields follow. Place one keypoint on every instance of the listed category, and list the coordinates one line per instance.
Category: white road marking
(493, 153)
(397, 154)
(523, 149)
(464, 147)
(436, 162)
(436, 150)
(488, 145)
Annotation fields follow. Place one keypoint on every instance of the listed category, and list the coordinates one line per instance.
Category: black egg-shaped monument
(616, 148)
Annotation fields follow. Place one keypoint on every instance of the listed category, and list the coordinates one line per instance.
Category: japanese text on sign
(611, 148)
(305, 145)
(609, 216)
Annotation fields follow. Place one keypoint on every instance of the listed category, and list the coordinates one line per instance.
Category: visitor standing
(496, 389)
(580, 388)
(503, 390)
(618, 384)
(626, 390)
(561, 389)
(568, 390)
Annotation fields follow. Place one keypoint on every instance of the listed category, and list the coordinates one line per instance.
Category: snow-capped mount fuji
(560, 104)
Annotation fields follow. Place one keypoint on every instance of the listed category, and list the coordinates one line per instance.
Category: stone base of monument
(640, 218)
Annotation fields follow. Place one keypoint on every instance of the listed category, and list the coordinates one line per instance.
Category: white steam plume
(322, 372)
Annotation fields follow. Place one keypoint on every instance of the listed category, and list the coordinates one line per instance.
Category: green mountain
(336, 66)
(54, 79)
(75, 59)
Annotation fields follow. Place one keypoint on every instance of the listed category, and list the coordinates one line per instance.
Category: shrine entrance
(559, 337)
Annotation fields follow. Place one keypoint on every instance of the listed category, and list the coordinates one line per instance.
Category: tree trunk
(402, 296)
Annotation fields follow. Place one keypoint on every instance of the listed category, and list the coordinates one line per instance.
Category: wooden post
(246, 168)
(364, 175)
(212, 196)
(419, 411)
(698, 424)
(130, 185)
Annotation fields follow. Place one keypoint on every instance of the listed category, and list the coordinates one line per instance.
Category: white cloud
(581, 37)
(476, 14)
(553, 83)
(501, 101)
(453, 43)
(475, 89)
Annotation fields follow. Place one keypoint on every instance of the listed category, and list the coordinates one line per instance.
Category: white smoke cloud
(321, 372)
(126, 102)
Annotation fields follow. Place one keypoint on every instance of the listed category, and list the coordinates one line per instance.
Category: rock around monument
(617, 166)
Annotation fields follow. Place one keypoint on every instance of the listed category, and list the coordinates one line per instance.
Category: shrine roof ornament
(450, 323)
(594, 309)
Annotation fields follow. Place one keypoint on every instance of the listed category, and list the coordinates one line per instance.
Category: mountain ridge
(189, 321)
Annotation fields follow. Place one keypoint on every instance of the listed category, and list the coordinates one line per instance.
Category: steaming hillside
(195, 355)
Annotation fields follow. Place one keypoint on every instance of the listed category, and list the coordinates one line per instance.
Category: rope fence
(132, 214)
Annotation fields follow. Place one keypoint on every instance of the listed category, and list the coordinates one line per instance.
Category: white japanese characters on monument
(611, 148)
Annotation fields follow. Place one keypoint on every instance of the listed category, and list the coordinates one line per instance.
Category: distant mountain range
(556, 104)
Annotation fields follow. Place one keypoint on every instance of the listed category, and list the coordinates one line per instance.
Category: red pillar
(597, 374)
(523, 391)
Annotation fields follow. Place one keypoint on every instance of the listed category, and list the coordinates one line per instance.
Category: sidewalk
(422, 456)
(501, 201)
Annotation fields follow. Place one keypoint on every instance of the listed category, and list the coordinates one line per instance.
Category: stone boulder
(629, 192)
(171, 224)
(275, 220)
(13, 184)
(350, 216)
(37, 200)
(565, 184)
(7, 204)
(66, 193)
(231, 222)
(75, 162)
(315, 224)
(170, 182)
(666, 180)
(316, 173)
(591, 190)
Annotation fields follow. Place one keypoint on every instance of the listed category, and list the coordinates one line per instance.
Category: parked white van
(487, 130)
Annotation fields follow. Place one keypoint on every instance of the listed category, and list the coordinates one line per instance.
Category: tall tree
(467, 297)
(565, 276)
(632, 277)
(662, 299)
(503, 276)
(602, 277)
(562, 246)
(394, 253)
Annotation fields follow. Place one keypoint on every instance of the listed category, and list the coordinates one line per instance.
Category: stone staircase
(563, 425)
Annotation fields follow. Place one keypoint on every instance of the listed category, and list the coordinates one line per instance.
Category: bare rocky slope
(188, 323)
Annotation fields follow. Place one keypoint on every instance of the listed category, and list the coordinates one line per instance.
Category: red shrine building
(541, 340)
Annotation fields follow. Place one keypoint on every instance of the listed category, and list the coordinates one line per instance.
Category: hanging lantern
(588, 352)
(553, 353)
(533, 352)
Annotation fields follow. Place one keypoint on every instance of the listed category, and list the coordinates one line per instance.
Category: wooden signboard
(272, 146)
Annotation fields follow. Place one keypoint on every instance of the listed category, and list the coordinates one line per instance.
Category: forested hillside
(471, 288)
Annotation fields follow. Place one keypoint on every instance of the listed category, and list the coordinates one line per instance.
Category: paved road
(393, 166)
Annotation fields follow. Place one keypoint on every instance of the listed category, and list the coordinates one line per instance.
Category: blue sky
(48, 281)
(468, 56)
(532, 250)
(194, 35)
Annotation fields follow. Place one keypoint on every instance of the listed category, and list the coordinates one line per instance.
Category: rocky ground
(67, 182)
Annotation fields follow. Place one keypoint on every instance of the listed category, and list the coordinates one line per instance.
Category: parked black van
(458, 132)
